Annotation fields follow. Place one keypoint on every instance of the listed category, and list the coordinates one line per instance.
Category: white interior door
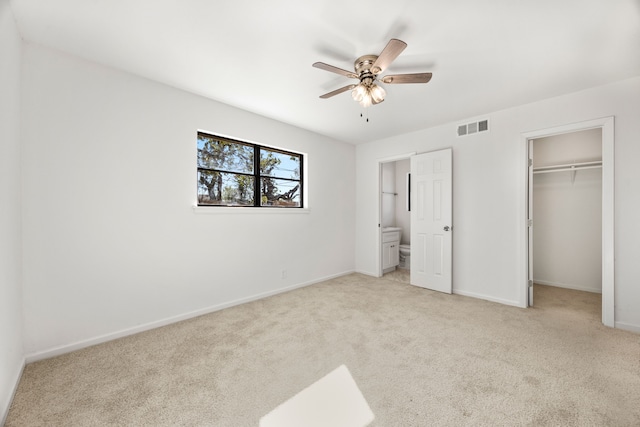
(431, 215)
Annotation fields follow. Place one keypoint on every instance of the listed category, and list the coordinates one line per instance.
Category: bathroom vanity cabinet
(390, 248)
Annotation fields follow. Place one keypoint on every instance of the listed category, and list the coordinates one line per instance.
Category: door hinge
(531, 283)
(529, 223)
(530, 162)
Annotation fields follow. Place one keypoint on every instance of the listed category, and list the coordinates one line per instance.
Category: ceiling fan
(367, 68)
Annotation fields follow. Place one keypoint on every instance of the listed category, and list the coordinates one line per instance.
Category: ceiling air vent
(473, 127)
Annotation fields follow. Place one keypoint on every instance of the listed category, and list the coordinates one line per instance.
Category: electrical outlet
(283, 274)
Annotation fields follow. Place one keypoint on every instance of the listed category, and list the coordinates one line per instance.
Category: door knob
(446, 228)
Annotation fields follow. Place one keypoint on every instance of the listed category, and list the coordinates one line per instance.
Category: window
(235, 173)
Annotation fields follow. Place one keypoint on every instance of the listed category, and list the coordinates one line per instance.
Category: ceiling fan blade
(407, 78)
(388, 54)
(337, 91)
(336, 70)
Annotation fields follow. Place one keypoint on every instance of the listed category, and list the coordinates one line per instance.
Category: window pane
(280, 165)
(279, 192)
(226, 189)
(216, 153)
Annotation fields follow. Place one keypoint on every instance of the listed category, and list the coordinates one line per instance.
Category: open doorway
(395, 219)
(605, 127)
(415, 218)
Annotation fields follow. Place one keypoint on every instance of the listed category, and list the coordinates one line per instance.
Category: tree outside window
(235, 173)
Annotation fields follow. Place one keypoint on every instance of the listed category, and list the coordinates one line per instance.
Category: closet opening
(569, 216)
(567, 221)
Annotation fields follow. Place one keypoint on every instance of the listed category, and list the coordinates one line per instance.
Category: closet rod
(568, 167)
(577, 168)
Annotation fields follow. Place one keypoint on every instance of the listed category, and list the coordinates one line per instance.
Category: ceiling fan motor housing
(363, 66)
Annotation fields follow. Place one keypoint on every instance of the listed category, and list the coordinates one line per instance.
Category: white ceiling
(256, 55)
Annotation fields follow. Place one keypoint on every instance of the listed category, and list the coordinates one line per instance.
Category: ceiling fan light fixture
(377, 94)
(359, 93)
(368, 94)
(366, 100)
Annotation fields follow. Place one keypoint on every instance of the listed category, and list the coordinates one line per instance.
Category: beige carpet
(420, 358)
(399, 275)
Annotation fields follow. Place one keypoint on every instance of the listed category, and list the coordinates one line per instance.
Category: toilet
(405, 256)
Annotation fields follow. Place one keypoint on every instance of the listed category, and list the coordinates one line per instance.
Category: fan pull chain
(366, 117)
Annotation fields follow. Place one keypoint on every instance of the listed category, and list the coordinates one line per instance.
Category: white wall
(111, 242)
(567, 213)
(388, 200)
(573, 147)
(489, 244)
(403, 216)
(11, 352)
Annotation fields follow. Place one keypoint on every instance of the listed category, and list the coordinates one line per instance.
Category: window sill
(248, 210)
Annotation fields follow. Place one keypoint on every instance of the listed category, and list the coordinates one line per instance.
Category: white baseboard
(4, 411)
(486, 297)
(367, 273)
(67, 348)
(468, 294)
(564, 285)
(628, 327)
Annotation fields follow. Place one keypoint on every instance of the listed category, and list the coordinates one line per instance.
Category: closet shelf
(568, 167)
